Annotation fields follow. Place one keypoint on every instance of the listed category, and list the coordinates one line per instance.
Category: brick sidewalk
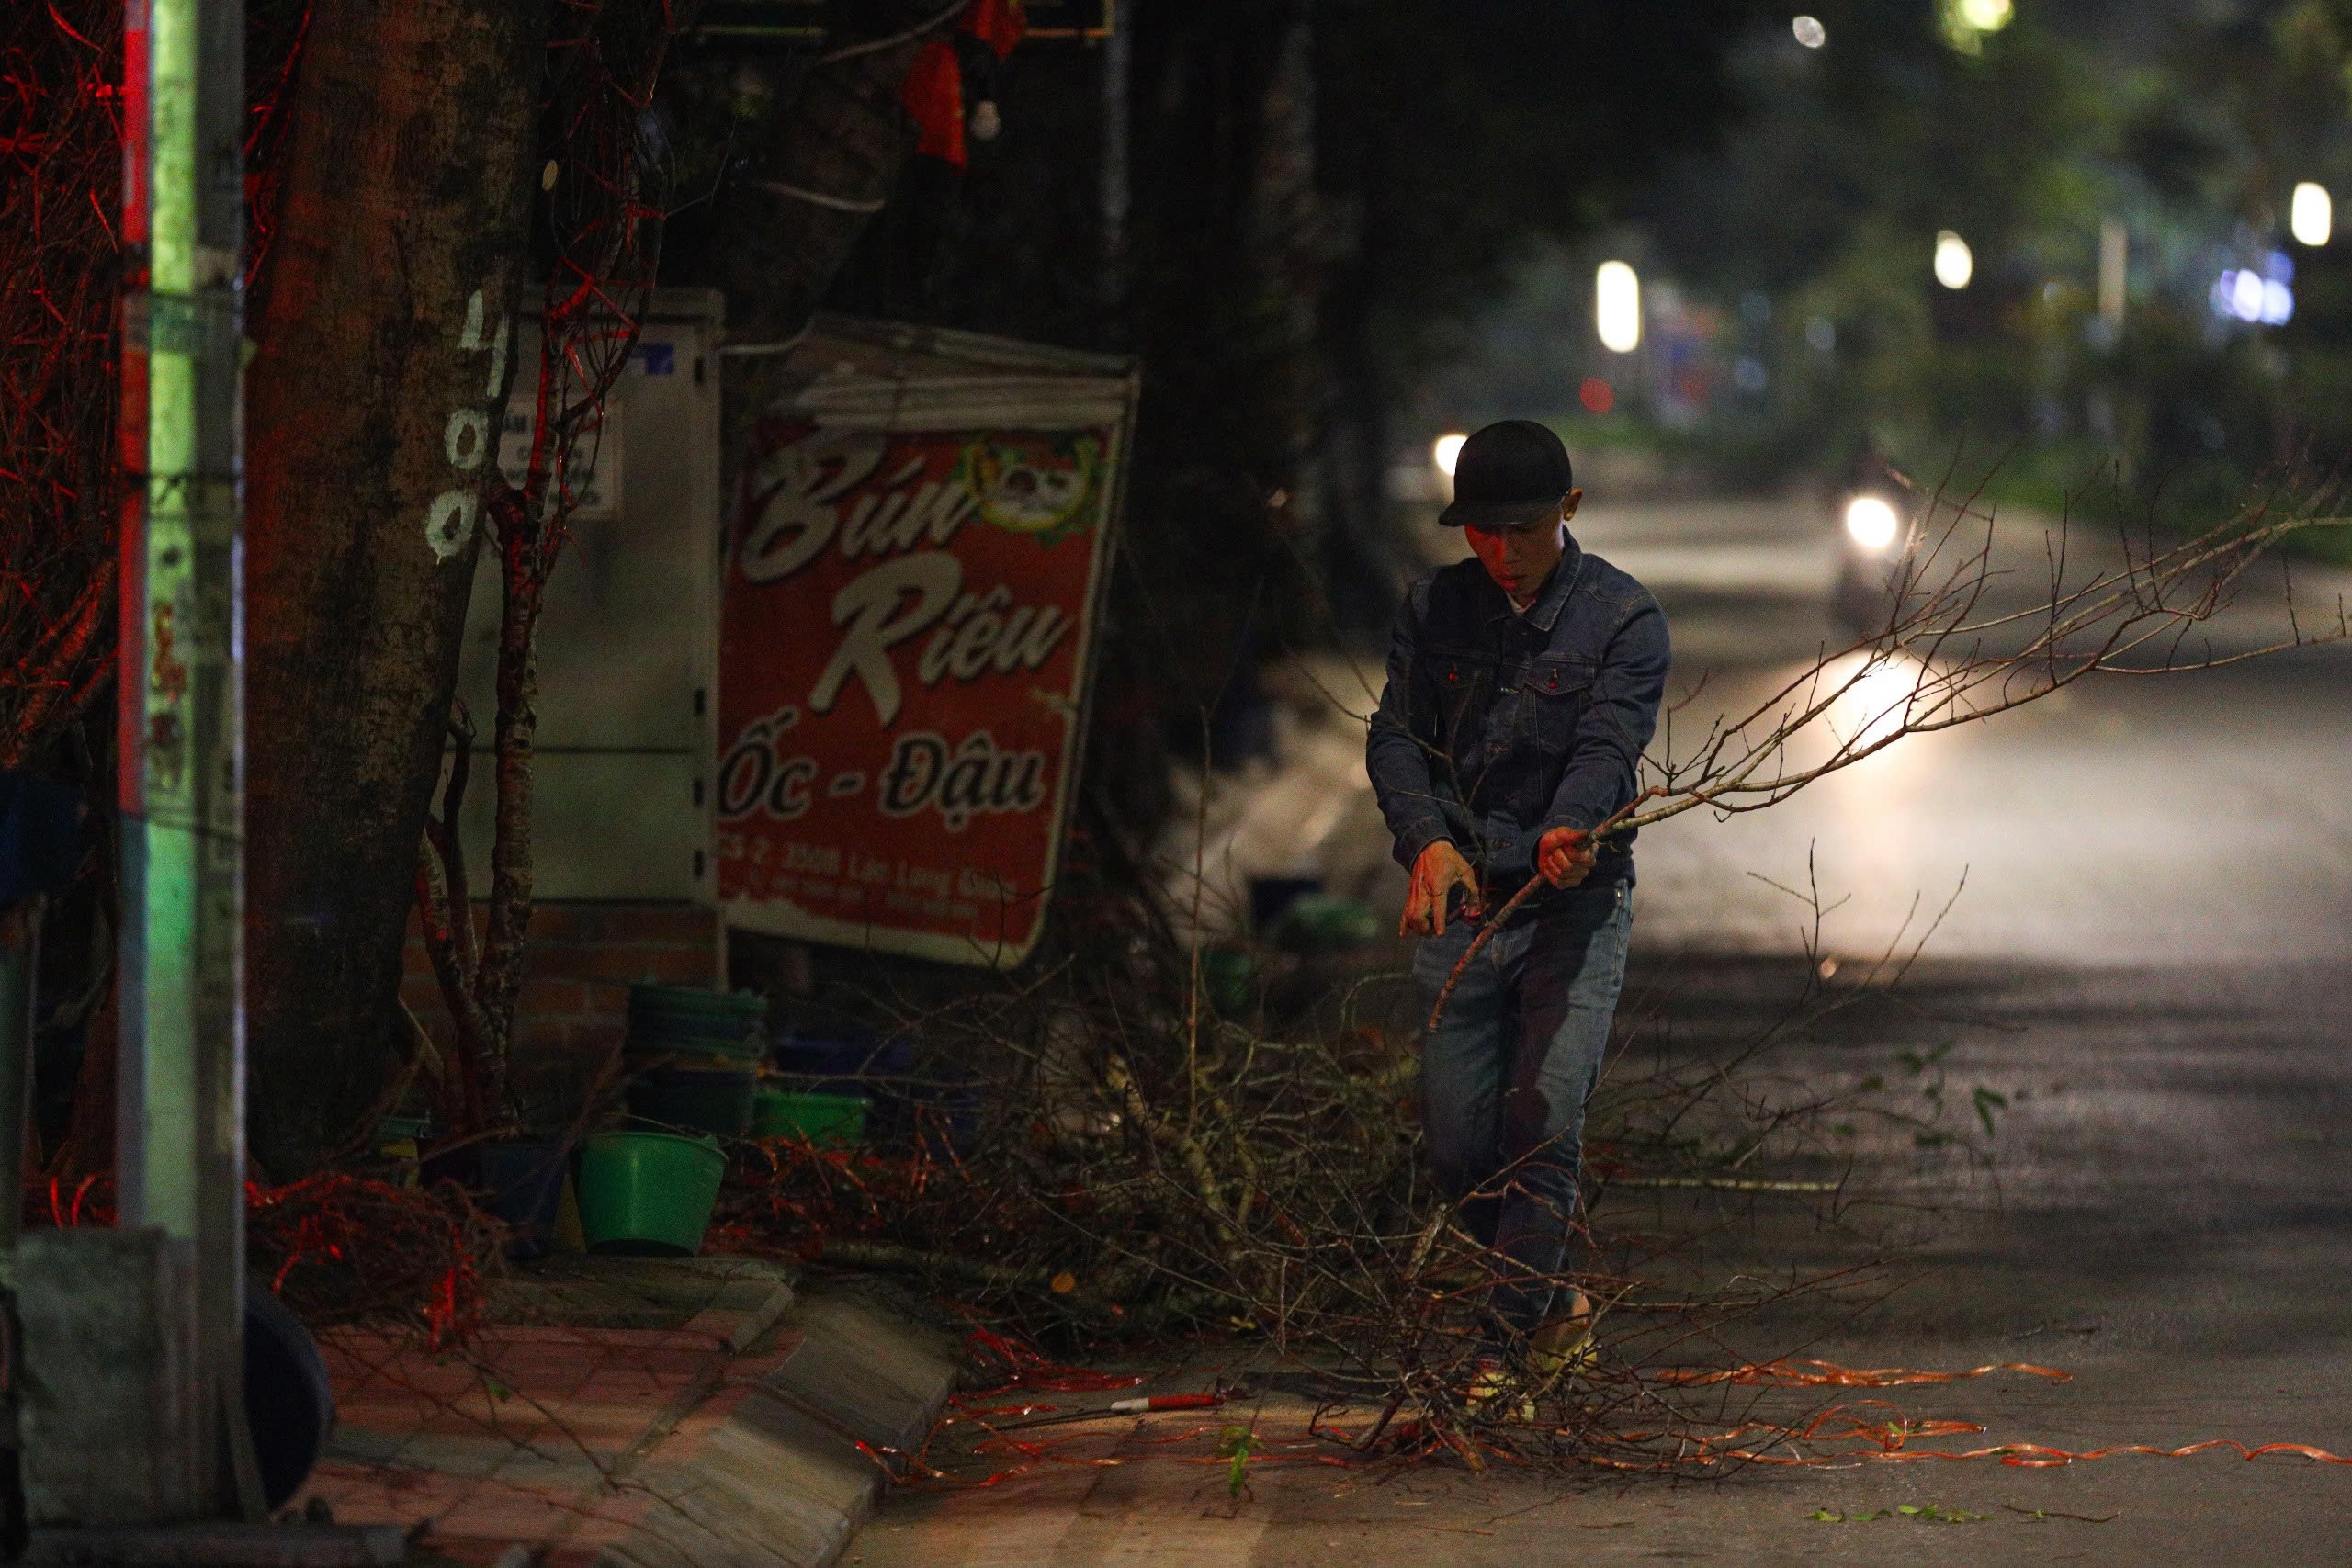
(531, 1436)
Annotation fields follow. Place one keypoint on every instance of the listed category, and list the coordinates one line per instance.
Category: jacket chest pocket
(1461, 694)
(1553, 692)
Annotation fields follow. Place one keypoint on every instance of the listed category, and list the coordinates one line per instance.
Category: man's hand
(1438, 870)
(1563, 855)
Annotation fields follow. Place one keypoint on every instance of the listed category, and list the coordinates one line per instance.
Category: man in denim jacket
(1522, 686)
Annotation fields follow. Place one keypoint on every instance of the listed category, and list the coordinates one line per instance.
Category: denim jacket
(1496, 726)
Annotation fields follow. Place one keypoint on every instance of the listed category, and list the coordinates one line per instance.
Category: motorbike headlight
(1871, 522)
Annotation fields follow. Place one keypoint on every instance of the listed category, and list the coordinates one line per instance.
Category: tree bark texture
(840, 137)
(384, 343)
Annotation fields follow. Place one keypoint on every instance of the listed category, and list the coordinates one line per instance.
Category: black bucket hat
(1509, 474)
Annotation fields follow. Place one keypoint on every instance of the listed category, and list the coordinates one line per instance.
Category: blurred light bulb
(1870, 523)
(2311, 218)
(1955, 264)
(1617, 307)
(2245, 295)
(1876, 695)
(1966, 23)
(1809, 32)
(1446, 451)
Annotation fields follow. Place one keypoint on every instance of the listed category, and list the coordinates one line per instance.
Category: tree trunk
(383, 344)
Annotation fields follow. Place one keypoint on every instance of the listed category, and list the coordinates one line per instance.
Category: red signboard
(905, 636)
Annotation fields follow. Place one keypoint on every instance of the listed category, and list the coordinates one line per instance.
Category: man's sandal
(1563, 1348)
(1495, 1384)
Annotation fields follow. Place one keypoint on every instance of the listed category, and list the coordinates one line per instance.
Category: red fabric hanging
(934, 93)
(996, 23)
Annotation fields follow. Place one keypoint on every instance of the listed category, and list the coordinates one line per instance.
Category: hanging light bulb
(2312, 216)
(1617, 307)
(1955, 262)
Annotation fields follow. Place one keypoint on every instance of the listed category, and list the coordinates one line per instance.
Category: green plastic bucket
(828, 1120)
(648, 1195)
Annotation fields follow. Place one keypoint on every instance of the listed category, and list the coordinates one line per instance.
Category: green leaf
(1987, 1101)
(1907, 1511)
(1825, 1516)
(1237, 1443)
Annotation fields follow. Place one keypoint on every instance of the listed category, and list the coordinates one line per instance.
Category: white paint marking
(466, 440)
(451, 522)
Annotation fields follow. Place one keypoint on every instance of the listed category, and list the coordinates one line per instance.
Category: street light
(1809, 32)
(1446, 450)
(1967, 22)
(1617, 307)
(1955, 264)
(1871, 522)
(2312, 216)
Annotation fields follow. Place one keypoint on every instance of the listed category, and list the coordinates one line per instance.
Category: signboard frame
(916, 383)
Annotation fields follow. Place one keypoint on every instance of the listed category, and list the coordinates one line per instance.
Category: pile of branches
(340, 1250)
(340, 1247)
(1100, 1157)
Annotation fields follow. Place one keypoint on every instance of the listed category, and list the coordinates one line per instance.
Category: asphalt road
(2146, 962)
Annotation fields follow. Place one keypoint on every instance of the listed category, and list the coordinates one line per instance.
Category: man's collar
(1561, 583)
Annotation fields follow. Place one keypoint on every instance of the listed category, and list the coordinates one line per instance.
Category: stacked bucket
(695, 1058)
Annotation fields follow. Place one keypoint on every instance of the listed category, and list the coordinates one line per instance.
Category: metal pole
(181, 1071)
(1114, 198)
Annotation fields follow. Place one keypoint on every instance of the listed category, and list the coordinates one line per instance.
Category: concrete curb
(769, 1470)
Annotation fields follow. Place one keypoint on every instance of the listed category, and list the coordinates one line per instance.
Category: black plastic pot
(519, 1184)
(691, 1098)
(289, 1408)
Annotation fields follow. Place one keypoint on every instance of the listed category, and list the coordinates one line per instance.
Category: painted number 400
(466, 439)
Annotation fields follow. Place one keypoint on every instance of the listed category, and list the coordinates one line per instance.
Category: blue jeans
(1504, 1077)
